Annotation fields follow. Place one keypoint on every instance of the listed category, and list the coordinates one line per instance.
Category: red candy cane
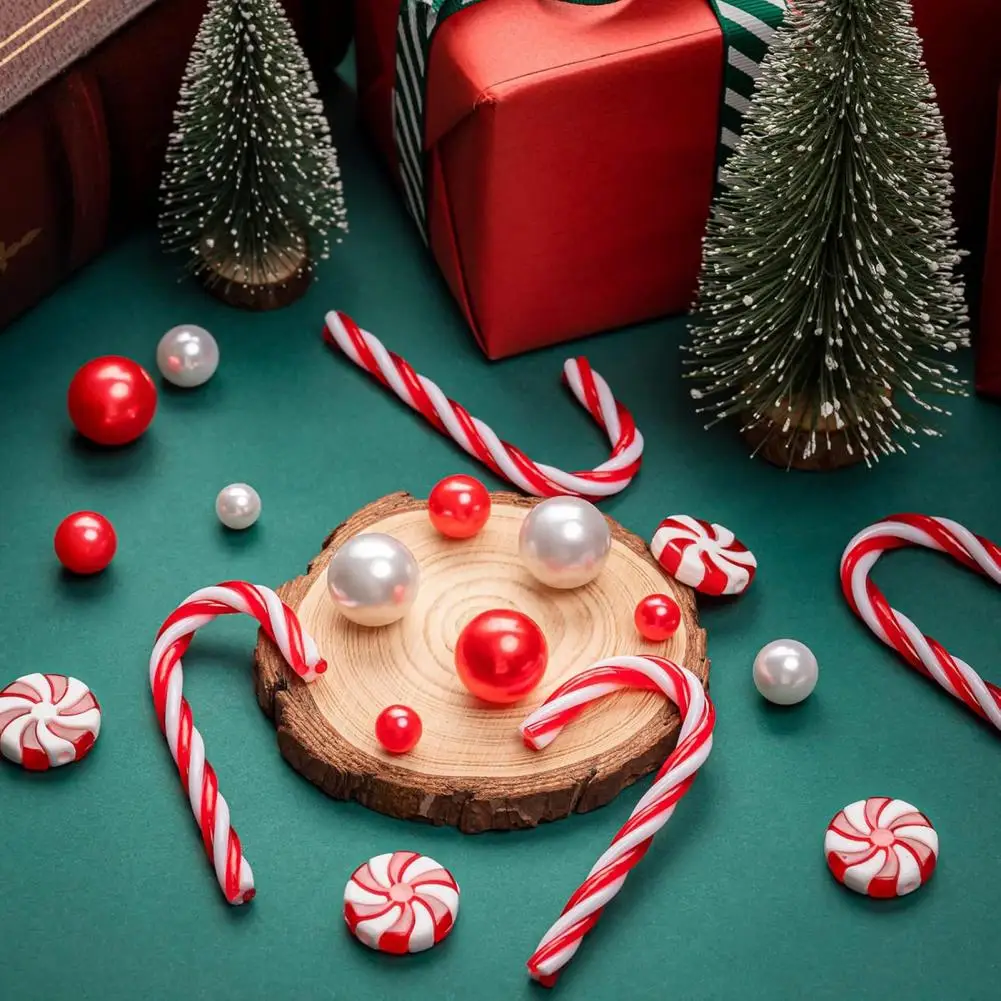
(186, 745)
(922, 652)
(453, 420)
(652, 812)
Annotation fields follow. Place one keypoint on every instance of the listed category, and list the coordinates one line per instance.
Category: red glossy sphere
(501, 656)
(459, 506)
(111, 400)
(85, 542)
(398, 728)
(657, 617)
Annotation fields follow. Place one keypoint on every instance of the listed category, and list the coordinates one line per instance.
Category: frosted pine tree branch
(251, 182)
(828, 291)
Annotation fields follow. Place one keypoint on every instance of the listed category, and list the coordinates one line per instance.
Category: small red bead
(85, 542)
(657, 617)
(459, 506)
(111, 400)
(398, 728)
(500, 656)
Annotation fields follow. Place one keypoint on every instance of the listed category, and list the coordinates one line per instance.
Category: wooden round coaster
(471, 768)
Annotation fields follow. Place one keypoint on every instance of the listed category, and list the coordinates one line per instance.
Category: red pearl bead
(657, 617)
(85, 542)
(459, 506)
(398, 728)
(501, 656)
(111, 400)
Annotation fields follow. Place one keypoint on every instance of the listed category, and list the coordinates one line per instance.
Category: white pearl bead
(238, 506)
(187, 356)
(564, 542)
(373, 579)
(785, 672)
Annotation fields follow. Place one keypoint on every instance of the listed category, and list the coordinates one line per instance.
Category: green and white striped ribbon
(747, 26)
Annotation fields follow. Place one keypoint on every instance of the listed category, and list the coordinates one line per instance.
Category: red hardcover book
(87, 93)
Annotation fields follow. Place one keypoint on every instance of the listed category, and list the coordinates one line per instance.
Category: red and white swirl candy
(881, 847)
(166, 677)
(47, 720)
(895, 629)
(655, 807)
(706, 557)
(480, 441)
(401, 902)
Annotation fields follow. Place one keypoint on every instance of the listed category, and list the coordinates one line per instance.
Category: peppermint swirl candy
(706, 557)
(881, 847)
(401, 902)
(47, 720)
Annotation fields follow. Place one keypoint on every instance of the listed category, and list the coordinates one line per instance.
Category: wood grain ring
(471, 769)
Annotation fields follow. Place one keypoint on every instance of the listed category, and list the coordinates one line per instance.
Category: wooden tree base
(471, 769)
(280, 284)
(785, 448)
(768, 443)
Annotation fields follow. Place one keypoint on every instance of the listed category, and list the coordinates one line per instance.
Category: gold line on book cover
(7, 254)
(41, 34)
(28, 24)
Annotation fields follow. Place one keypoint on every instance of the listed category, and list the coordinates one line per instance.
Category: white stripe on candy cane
(476, 438)
(210, 809)
(656, 806)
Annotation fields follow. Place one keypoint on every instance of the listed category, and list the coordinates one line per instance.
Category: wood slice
(471, 769)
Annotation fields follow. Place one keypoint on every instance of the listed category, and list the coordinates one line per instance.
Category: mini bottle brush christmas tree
(829, 280)
(252, 187)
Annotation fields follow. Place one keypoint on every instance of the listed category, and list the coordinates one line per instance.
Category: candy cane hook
(651, 813)
(172, 710)
(894, 628)
(505, 460)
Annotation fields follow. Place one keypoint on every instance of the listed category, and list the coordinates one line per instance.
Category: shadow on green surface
(101, 462)
(85, 587)
(237, 540)
(207, 397)
(783, 721)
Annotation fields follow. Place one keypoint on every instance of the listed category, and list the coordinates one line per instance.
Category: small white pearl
(187, 356)
(238, 506)
(373, 579)
(785, 672)
(564, 542)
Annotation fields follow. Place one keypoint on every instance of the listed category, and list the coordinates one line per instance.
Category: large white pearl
(564, 542)
(238, 505)
(373, 579)
(785, 672)
(187, 355)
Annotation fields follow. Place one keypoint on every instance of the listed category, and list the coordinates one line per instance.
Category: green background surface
(104, 890)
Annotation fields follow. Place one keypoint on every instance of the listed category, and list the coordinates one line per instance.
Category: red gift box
(569, 157)
(961, 39)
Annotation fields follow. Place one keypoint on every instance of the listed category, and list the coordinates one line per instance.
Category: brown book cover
(84, 121)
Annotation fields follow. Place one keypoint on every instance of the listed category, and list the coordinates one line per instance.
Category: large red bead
(459, 506)
(398, 728)
(111, 400)
(657, 617)
(501, 656)
(85, 542)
